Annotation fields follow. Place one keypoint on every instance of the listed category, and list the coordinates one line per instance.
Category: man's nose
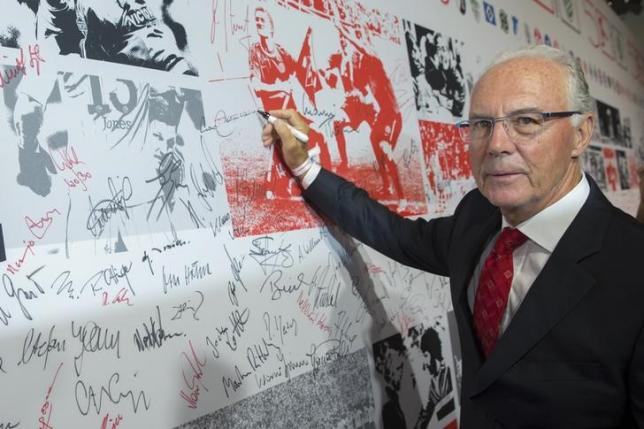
(500, 140)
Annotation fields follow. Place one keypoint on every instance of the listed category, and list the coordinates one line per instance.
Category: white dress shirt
(310, 175)
(544, 230)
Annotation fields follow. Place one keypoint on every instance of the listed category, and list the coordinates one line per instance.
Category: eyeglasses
(520, 126)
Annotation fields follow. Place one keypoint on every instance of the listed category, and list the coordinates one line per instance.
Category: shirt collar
(548, 226)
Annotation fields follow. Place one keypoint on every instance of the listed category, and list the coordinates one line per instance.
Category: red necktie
(494, 287)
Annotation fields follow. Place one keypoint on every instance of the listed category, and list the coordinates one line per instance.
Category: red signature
(113, 422)
(68, 161)
(15, 267)
(316, 318)
(34, 62)
(14, 72)
(34, 58)
(39, 228)
(197, 374)
(121, 297)
(46, 409)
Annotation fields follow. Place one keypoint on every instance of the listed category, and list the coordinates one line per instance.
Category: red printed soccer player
(370, 98)
(271, 68)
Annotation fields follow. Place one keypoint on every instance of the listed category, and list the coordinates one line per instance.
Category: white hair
(578, 94)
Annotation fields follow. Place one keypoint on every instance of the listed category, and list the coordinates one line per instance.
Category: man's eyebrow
(512, 112)
(525, 110)
(479, 116)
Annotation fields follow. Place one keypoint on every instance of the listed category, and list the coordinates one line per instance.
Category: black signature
(268, 258)
(184, 306)
(103, 211)
(86, 397)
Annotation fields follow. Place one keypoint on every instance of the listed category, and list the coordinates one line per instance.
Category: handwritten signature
(20, 294)
(68, 162)
(39, 228)
(103, 211)
(113, 421)
(194, 381)
(47, 408)
(20, 68)
(187, 305)
(36, 345)
(121, 297)
(14, 267)
(94, 338)
(86, 397)
(271, 259)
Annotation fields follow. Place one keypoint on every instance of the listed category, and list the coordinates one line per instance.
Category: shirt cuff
(310, 175)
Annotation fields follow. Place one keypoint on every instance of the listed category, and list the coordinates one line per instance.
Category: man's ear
(583, 134)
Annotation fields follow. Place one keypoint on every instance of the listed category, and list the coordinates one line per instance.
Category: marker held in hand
(296, 133)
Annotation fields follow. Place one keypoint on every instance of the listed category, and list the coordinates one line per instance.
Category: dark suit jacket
(573, 355)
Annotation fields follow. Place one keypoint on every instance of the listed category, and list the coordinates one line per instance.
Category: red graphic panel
(448, 166)
(610, 163)
(254, 213)
(274, 77)
(350, 102)
(360, 73)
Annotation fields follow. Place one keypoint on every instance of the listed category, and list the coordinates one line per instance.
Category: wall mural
(160, 268)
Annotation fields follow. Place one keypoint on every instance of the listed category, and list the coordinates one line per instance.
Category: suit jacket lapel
(559, 287)
(474, 240)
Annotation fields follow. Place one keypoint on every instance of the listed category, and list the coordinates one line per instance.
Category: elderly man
(545, 273)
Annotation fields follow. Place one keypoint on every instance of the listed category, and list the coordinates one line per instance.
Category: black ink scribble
(94, 338)
(189, 305)
(153, 336)
(107, 277)
(20, 295)
(86, 397)
(268, 258)
(9, 425)
(104, 210)
(170, 177)
(37, 346)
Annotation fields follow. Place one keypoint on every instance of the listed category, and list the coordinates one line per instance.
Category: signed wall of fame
(160, 268)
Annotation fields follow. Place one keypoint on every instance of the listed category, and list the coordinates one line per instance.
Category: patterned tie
(494, 287)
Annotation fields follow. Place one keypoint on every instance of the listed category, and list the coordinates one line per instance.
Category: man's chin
(505, 199)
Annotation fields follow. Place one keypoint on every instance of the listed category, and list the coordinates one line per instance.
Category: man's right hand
(293, 151)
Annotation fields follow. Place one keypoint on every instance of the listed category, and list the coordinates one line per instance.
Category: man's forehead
(523, 77)
(526, 68)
